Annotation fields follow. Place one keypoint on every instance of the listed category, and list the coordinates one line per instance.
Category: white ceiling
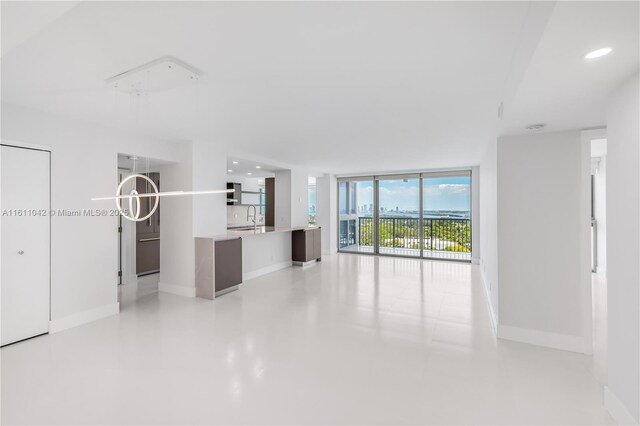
(561, 88)
(142, 164)
(22, 20)
(333, 86)
(241, 167)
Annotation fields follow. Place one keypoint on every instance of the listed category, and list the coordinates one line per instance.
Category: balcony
(443, 238)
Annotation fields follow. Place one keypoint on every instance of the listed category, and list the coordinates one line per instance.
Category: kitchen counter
(224, 261)
(260, 230)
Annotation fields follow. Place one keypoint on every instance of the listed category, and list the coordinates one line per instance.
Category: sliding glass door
(447, 215)
(355, 215)
(417, 215)
(398, 215)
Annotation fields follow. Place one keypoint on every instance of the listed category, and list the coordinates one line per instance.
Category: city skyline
(440, 194)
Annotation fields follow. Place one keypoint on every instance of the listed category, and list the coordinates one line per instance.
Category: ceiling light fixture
(598, 53)
(133, 214)
(249, 173)
(235, 162)
(229, 170)
(257, 167)
(164, 73)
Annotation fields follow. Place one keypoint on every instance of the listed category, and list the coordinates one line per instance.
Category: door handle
(144, 240)
(20, 252)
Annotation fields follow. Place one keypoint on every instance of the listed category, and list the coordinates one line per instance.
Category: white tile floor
(353, 340)
(599, 298)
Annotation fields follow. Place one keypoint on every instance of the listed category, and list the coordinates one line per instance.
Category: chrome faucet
(253, 218)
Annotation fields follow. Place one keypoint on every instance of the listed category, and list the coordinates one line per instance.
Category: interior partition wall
(414, 215)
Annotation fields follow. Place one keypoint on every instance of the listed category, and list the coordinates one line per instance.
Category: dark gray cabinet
(306, 245)
(228, 261)
(234, 197)
(270, 201)
(218, 266)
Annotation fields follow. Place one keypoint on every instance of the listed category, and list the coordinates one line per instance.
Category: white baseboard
(178, 290)
(131, 279)
(305, 265)
(487, 295)
(266, 270)
(83, 317)
(616, 408)
(542, 338)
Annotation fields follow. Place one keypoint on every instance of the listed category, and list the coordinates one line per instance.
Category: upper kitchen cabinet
(234, 197)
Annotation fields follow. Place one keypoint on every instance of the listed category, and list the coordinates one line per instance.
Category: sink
(244, 228)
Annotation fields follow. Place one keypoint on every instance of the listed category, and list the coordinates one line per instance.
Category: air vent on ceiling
(162, 74)
(535, 127)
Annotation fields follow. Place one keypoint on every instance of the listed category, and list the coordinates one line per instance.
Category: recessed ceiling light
(598, 53)
(257, 167)
(249, 173)
(229, 170)
(235, 162)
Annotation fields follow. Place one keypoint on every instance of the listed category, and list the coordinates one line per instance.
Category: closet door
(24, 226)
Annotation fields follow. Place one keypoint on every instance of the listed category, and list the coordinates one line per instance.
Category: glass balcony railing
(446, 238)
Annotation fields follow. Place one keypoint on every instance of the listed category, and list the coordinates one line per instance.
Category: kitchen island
(261, 250)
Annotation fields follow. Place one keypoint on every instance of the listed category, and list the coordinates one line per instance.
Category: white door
(24, 231)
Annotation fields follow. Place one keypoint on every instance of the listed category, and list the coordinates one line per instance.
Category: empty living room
(320, 212)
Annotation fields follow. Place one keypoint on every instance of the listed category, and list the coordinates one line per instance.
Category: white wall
(283, 199)
(265, 253)
(177, 250)
(83, 165)
(476, 249)
(237, 215)
(209, 164)
(488, 200)
(623, 246)
(292, 198)
(202, 165)
(543, 234)
(299, 197)
(327, 213)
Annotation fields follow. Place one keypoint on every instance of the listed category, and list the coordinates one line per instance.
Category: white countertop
(260, 230)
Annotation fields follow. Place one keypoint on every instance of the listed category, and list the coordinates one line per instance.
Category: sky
(447, 193)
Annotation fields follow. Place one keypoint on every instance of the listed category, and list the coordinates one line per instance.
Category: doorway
(598, 174)
(139, 241)
(26, 234)
(148, 230)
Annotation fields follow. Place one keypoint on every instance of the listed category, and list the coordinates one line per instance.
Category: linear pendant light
(133, 214)
(164, 194)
